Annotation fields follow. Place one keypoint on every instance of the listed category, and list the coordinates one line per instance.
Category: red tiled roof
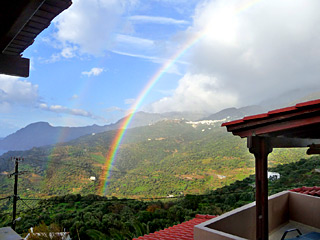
(299, 121)
(182, 231)
(276, 111)
(314, 191)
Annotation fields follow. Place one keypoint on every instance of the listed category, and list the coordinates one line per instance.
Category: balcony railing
(286, 210)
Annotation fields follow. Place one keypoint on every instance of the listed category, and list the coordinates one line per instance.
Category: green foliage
(205, 168)
(167, 158)
(97, 217)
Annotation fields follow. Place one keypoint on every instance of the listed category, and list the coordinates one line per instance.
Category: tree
(44, 232)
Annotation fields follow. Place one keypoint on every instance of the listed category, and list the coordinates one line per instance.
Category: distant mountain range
(42, 133)
(236, 113)
(170, 157)
(292, 97)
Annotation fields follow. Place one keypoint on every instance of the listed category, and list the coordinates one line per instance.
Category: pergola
(21, 22)
(290, 127)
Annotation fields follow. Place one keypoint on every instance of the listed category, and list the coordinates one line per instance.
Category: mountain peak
(39, 124)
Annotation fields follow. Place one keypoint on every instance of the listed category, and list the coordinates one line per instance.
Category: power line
(25, 204)
(8, 197)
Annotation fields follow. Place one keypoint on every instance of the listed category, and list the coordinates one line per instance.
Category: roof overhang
(21, 22)
(296, 126)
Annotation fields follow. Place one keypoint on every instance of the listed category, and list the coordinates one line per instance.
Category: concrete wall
(278, 210)
(305, 209)
(241, 222)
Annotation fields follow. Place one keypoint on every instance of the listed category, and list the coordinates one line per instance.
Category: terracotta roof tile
(257, 116)
(314, 191)
(313, 102)
(182, 231)
(281, 110)
(267, 115)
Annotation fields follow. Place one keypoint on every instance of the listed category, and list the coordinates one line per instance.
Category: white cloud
(114, 109)
(15, 91)
(248, 54)
(97, 26)
(134, 46)
(138, 42)
(158, 20)
(193, 94)
(93, 72)
(174, 69)
(88, 26)
(129, 101)
(53, 58)
(136, 55)
(69, 52)
(75, 96)
(66, 110)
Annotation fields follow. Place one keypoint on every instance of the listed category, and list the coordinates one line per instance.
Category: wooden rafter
(21, 22)
(14, 65)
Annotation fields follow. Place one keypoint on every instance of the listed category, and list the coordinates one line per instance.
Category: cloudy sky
(91, 65)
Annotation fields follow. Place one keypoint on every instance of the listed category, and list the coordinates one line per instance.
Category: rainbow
(125, 123)
(154, 79)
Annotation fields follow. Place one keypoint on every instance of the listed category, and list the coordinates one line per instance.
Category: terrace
(291, 127)
(286, 210)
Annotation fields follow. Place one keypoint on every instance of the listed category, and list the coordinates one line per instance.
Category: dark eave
(299, 124)
(21, 22)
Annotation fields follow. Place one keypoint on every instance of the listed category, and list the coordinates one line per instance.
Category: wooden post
(15, 194)
(260, 147)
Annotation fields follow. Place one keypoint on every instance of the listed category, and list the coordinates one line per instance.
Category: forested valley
(163, 175)
(96, 217)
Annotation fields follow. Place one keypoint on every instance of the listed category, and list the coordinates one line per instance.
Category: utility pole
(15, 190)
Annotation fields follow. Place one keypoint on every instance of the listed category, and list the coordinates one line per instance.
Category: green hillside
(167, 158)
(96, 217)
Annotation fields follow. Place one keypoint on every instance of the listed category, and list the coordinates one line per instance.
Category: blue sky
(90, 65)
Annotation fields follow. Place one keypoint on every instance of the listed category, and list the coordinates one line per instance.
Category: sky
(92, 63)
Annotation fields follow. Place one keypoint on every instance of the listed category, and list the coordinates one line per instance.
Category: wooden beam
(283, 142)
(14, 65)
(26, 14)
(242, 125)
(281, 126)
(314, 149)
(260, 147)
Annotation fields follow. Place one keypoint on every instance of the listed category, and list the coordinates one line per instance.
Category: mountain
(144, 118)
(170, 157)
(291, 97)
(236, 113)
(42, 133)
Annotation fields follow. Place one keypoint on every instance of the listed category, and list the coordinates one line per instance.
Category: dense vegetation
(96, 217)
(167, 158)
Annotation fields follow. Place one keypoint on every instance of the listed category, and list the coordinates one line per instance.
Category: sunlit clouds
(249, 55)
(96, 59)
